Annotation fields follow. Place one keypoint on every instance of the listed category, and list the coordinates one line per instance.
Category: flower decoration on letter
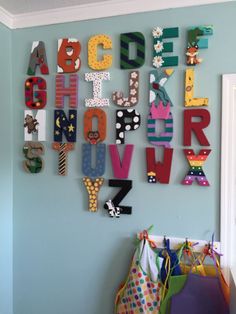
(132, 100)
(158, 46)
(157, 61)
(157, 32)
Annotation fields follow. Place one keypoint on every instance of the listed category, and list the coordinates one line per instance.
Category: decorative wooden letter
(32, 152)
(125, 40)
(126, 186)
(157, 92)
(63, 149)
(71, 91)
(35, 125)
(132, 100)
(68, 60)
(196, 127)
(65, 126)
(190, 101)
(97, 78)
(157, 171)
(195, 43)
(35, 99)
(160, 47)
(91, 136)
(100, 160)
(196, 162)
(38, 58)
(93, 188)
(122, 125)
(93, 61)
(160, 113)
(121, 168)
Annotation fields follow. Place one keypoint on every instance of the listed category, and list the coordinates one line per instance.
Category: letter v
(121, 168)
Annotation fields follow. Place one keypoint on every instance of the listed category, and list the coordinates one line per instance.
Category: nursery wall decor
(196, 42)
(68, 60)
(160, 47)
(38, 58)
(160, 118)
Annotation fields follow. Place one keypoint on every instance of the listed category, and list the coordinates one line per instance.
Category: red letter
(196, 127)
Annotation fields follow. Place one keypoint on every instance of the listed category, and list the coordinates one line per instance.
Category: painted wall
(6, 174)
(66, 259)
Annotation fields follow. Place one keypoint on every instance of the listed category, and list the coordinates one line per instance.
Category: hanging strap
(186, 250)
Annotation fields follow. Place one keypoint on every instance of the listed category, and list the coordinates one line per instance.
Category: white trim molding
(228, 173)
(6, 18)
(93, 11)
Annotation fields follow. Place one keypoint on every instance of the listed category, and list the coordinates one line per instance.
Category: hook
(164, 241)
(186, 242)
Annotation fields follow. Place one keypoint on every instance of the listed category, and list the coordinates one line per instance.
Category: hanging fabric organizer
(169, 276)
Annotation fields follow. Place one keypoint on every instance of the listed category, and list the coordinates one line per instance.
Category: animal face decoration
(30, 124)
(112, 209)
(93, 137)
(192, 52)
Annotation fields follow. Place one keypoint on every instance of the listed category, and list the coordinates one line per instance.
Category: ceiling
(29, 13)
(27, 6)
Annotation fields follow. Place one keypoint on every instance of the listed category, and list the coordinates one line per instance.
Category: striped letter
(71, 91)
(160, 47)
(63, 149)
(196, 162)
(125, 40)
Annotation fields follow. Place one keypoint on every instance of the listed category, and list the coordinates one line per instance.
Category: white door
(228, 177)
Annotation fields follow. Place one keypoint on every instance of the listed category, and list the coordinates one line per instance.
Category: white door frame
(228, 175)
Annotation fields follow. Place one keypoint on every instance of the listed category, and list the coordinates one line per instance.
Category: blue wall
(66, 259)
(6, 196)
